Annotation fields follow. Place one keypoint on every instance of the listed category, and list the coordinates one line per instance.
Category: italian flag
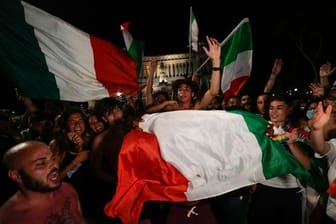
(193, 31)
(48, 58)
(189, 155)
(236, 58)
(135, 48)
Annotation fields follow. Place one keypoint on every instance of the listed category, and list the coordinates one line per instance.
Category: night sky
(279, 31)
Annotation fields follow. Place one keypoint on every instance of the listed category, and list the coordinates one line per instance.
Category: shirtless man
(41, 197)
(185, 90)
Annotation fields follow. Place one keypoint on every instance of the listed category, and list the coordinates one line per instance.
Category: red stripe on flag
(235, 86)
(143, 176)
(114, 68)
(126, 25)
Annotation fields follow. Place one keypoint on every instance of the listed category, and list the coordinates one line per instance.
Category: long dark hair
(60, 132)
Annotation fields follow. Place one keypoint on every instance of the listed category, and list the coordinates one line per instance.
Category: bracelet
(282, 138)
(216, 68)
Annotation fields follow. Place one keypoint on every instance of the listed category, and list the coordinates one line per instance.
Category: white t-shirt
(331, 156)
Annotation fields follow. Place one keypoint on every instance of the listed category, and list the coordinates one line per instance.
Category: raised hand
(320, 117)
(326, 70)
(317, 89)
(277, 66)
(214, 51)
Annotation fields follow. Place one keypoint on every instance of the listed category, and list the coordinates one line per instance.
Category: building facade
(172, 67)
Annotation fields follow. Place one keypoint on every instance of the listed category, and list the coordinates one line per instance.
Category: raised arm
(149, 83)
(165, 105)
(214, 53)
(276, 69)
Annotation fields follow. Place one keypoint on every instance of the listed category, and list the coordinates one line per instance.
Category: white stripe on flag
(239, 68)
(70, 61)
(219, 157)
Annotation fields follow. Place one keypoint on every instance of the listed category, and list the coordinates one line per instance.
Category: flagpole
(190, 40)
(224, 41)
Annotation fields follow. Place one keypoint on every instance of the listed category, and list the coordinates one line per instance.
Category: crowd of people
(60, 162)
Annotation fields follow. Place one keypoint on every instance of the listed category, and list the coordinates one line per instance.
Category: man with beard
(41, 195)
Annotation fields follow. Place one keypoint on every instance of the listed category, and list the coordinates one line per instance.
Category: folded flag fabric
(236, 58)
(190, 155)
(48, 58)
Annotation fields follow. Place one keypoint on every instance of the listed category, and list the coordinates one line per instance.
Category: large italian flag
(48, 58)
(190, 155)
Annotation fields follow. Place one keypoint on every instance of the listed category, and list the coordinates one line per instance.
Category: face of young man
(278, 112)
(37, 184)
(185, 93)
(39, 171)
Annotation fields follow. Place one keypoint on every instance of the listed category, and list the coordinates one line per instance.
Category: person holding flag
(185, 88)
(236, 59)
(181, 172)
(228, 208)
(192, 155)
(279, 199)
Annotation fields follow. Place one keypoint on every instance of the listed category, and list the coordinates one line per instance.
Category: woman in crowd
(71, 149)
(278, 200)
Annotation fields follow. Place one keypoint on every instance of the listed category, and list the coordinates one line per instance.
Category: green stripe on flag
(135, 48)
(136, 51)
(193, 19)
(240, 41)
(20, 55)
(276, 159)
